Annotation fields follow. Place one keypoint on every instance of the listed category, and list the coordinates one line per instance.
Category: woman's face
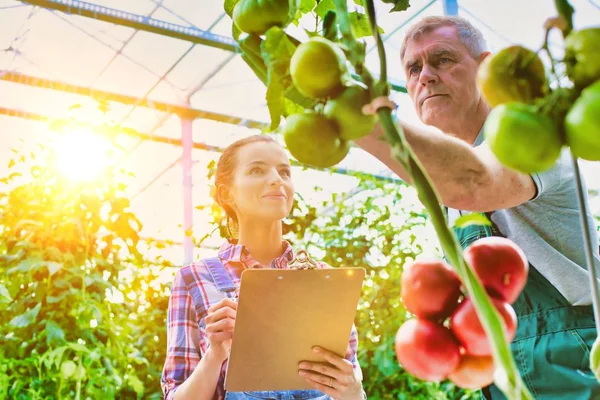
(262, 187)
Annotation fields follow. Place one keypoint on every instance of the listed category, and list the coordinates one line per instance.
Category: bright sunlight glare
(81, 154)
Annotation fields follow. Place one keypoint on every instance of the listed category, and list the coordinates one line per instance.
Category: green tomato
(346, 111)
(257, 16)
(582, 124)
(521, 139)
(582, 56)
(67, 369)
(314, 139)
(515, 74)
(318, 68)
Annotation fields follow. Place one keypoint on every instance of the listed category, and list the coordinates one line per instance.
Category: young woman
(255, 188)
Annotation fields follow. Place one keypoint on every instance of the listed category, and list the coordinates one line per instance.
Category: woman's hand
(220, 321)
(335, 377)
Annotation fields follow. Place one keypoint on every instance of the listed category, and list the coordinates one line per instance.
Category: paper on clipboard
(281, 315)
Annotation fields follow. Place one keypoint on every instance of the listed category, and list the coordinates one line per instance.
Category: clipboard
(281, 316)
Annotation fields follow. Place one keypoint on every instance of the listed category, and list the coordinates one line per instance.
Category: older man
(537, 211)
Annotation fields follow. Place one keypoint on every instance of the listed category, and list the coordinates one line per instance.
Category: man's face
(440, 75)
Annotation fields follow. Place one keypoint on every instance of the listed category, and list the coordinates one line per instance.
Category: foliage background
(83, 309)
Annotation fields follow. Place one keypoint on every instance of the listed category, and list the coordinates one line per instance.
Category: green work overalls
(553, 340)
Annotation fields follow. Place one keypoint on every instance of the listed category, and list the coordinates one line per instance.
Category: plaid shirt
(186, 336)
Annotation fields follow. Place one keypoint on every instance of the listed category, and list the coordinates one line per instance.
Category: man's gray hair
(470, 36)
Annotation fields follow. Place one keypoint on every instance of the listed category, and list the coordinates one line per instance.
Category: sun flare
(82, 154)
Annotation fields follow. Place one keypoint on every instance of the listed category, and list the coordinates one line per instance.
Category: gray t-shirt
(549, 231)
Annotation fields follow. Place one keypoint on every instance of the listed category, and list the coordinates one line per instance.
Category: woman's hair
(226, 168)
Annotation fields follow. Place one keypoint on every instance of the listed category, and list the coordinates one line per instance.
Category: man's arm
(466, 178)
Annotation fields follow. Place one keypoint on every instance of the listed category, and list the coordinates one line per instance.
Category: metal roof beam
(450, 7)
(11, 112)
(145, 23)
(102, 95)
(139, 22)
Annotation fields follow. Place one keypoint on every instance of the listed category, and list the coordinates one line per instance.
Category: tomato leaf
(4, 295)
(135, 383)
(235, 32)
(300, 8)
(361, 26)
(307, 6)
(323, 7)
(355, 49)
(330, 30)
(472, 219)
(277, 50)
(289, 107)
(229, 6)
(54, 333)
(399, 5)
(53, 267)
(27, 318)
(566, 10)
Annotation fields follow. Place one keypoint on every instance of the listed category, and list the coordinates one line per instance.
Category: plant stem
(546, 48)
(370, 6)
(587, 239)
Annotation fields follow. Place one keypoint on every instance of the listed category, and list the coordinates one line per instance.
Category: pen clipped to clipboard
(282, 315)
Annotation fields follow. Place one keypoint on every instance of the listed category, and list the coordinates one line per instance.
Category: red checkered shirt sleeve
(351, 351)
(183, 338)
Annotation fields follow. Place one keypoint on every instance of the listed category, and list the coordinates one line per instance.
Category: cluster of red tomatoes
(446, 339)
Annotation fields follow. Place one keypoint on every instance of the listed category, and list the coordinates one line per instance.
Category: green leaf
(323, 7)
(306, 6)
(361, 26)
(277, 50)
(25, 266)
(275, 100)
(289, 107)
(330, 30)
(4, 295)
(229, 6)
(399, 5)
(54, 333)
(137, 385)
(360, 2)
(384, 361)
(235, 32)
(27, 318)
(300, 7)
(472, 219)
(53, 267)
